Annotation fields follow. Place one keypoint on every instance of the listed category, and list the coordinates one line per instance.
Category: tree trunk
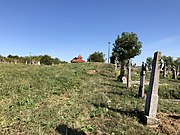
(122, 71)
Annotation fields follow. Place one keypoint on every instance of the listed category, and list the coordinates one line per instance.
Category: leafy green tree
(126, 46)
(36, 58)
(56, 61)
(169, 60)
(46, 60)
(13, 56)
(149, 61)
(1, 57)
(112, 59)
(96, 57)
(177, 62)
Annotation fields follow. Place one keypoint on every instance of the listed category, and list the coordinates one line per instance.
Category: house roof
(77, 59)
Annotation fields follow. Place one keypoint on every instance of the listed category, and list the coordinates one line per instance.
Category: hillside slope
(73, 99)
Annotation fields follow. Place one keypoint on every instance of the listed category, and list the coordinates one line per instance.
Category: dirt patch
(55, 100)
(91, 72)
(169, 123)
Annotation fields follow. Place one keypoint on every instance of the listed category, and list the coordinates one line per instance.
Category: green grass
(65, 98)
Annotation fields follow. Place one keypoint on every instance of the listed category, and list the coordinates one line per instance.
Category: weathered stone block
(151, 107)
(151, 121)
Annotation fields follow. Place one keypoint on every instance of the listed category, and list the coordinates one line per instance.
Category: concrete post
(129, 81)
(142, 80)
(152, 95)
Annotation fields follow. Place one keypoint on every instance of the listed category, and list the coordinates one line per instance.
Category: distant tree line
(43, 59)
(167, 59)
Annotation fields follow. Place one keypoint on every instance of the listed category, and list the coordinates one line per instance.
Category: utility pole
(108, 50)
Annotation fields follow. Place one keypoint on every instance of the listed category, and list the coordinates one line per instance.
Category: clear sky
(67, 28)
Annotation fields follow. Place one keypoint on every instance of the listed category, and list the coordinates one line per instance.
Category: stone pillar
(174, 76)
(168, 69)
(164, 71)
(117, 72)
(129, 81)
(38, 63)
(142, 81)
(15, 61)
(116, 62)
(152, 95)
(178, 70)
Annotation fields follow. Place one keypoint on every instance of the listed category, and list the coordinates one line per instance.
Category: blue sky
(67, 28)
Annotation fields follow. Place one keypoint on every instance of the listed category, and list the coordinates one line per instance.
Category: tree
(112, 59)
(96, 57)
(46, 60)
(126, 47)
(14, 57)
(169, 60)
(177, 62)
(56, 61)
(149, 61)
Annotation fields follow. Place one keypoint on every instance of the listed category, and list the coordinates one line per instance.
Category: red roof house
(78, 59)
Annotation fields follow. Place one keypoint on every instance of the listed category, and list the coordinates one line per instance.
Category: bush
(96, 57)
(46, 60)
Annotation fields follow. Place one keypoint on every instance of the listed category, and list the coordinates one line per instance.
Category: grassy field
(77, 99)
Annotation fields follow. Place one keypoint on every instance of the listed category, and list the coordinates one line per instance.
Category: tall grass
(67, 99)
